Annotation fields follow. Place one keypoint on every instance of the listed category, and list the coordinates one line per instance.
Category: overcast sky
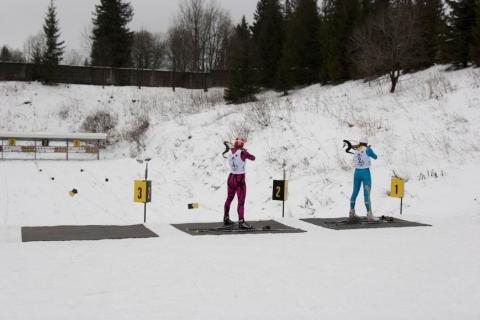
(21, 18)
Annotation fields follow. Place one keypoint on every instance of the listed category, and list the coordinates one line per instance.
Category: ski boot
(352, 216)
(242, 224)
(371, 218)
(227, 221)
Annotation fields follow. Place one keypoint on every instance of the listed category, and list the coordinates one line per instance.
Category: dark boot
(227, 221)
(242, 224)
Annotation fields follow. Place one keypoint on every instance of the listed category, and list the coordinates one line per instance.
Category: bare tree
(387, 43)
(74, 58)
(178, 52)
(142, 49)
(86, 39)
(198, 40)
(34, 48)
(159, 51)
(191, 20)
(148, 50)
(219, 31)
(17, 56)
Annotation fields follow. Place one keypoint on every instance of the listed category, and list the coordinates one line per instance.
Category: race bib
(237, 165)
(361, 159)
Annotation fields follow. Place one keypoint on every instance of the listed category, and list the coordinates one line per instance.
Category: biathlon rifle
(350, 146)
(228, 146)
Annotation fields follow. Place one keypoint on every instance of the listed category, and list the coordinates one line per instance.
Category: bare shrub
(368, 123)
(437, 87)
(69, 109)
(100, 122)
(203, 100)
(475, 78)
(136, 132)
(212, 97)
(194, 102)
(64, 113)
(379, 85)
(431, 174)
(239, 129)
(260, 113)
(286, 109)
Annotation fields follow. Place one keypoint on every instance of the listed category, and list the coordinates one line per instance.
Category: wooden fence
(113, 76)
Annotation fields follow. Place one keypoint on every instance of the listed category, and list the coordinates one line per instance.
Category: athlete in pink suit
(237, 159)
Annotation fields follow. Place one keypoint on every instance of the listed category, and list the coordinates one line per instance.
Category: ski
(237, 230)
(381, 219)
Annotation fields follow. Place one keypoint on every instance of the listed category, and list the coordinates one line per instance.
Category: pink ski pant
(236, 184)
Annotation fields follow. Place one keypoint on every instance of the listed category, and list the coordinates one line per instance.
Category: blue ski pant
(362, 176)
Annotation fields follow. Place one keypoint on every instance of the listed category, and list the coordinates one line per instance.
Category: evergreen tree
(53, 46)
(289, 8)
(377, 5)
(5, 54)
(367, 7)
(433, 31)
(340, 17)
(284, 80)
(241, 87)
(301, 59)
(475, 46)
(53, 49)
(268, 35)
(461, 21)
(112, 40)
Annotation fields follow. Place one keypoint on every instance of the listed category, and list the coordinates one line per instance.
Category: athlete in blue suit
(361, 159)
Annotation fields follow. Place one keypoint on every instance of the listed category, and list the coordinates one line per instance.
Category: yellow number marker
(140, 191)
(397, 188)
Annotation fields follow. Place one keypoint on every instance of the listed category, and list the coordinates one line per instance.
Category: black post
(401, 205)
(145, 212)
(284, 191)
(145, 204)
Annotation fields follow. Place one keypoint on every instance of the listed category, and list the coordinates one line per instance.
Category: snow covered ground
(427, 133)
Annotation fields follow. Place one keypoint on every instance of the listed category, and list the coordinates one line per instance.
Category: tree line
(289, 42)
(300, 42)
(196, 42)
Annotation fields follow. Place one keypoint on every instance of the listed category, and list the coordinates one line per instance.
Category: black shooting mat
(217, 228)
(69, 233)
(344, 224)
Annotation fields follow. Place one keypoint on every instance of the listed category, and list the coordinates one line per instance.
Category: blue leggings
(362, 176)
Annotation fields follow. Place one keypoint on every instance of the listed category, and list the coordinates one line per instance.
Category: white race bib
(361, 159)
(237, 165)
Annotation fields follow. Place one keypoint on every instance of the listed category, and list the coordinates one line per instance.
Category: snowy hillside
(427, 133)
(429, 127)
